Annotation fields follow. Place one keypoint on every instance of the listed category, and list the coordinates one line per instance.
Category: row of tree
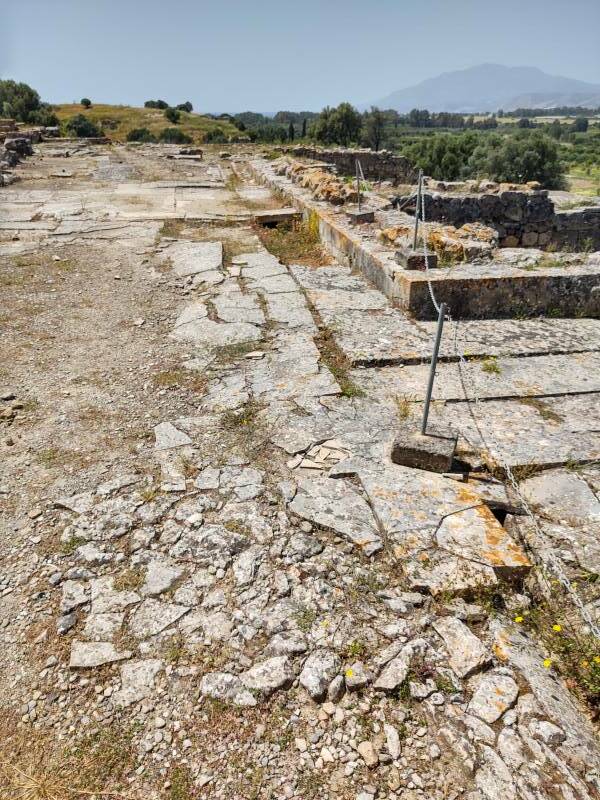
(163, 105)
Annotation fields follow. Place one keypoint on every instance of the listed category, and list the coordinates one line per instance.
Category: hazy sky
(267, 55)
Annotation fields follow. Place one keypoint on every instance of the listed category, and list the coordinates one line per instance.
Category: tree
(373, 128)
(291, 132)
(172, 115)
(18, 100)
(525, 156)
(580, 125)
(187, 106)
(340, 125)
(304, 128)
(86, 102)
(524, 122)
(156, 104)
(82, 127)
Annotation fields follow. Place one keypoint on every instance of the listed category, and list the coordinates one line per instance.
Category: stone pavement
(273, 563)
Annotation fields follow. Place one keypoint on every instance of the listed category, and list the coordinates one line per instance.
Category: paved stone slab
(152, 617)
(333, 504)
(537, 376)
(137, 681)
(85, 655)
(564, 497)
(553, 431)
(234, 306)
(193, 325)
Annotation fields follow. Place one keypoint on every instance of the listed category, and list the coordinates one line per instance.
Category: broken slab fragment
(269, 675)
(168, 436)
(415, 259)
(137, 681)
(152, 617)
(85, 655)
(432, 451)
(333, 504)
(495, 694)
(466, 652)
(320, 668)
(562, 496)
(227, 688)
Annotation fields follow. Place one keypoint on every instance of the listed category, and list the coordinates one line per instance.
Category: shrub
(44, 116)
(216, 136)
(187, 106)
(580, 125)
(174, 136)
(140, 135)
(172, 115)
(86, 102)
(156, 104)
(82, 127)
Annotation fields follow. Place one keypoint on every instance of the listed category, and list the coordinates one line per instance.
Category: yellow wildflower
(519, 619)
(596, 659)
(547, 663)
(585, 663)
(557, 628)
(349, 673)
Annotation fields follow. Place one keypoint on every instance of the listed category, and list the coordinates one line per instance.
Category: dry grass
(179, 378)
(128, 580)
(337, 363)
(119, 120)
(404, 406)
(297, 242)
(35, 767)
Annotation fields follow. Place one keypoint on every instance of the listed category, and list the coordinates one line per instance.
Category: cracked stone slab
(466, 652)
(237, 307)
(333, 504)
(193, 325)
(537, 376)
(105, 598)
(167, 436)
(86, 655)
(160, 577)
(268, 676)
(137, 681)
(153, 616)
(191, 258)
(495, 694)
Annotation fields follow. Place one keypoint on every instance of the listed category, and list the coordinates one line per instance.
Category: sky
(267, 55)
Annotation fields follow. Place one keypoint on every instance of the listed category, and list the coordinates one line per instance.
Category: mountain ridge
(490, 87)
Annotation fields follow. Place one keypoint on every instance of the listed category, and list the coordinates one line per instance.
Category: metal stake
(434, 358)
(417, 209)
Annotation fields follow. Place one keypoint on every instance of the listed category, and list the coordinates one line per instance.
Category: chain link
(549, 562)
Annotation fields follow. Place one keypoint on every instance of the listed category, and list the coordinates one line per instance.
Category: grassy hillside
(117, 121)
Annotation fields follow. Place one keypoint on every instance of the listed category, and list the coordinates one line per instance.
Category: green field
(117, 121)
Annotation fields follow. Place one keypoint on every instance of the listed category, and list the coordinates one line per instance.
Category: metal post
(417, 209)
(357, 182)
(434, 358)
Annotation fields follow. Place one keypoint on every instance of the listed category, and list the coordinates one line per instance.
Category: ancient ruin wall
(526, 219)
(380, 166)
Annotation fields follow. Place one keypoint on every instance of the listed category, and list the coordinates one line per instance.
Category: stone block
(357, 217)
(433, 451)
(276, 215)
(413, 259)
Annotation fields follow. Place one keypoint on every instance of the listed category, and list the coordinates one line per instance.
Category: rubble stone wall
(526, 219)
(379, 166)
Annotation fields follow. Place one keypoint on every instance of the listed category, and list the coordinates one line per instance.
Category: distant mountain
(489, 87)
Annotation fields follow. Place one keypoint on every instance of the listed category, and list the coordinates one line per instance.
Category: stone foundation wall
(380, 166)
(522, 219)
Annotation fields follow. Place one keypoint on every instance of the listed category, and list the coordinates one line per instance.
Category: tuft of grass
(128, 580)
(403, 406)
(305, 618)
(233, 352)
(242, 418)
(295, 242)
(491, 366)
(67, 548)
(182, 784)
(171, 228)
(172, 378)
(337, 362)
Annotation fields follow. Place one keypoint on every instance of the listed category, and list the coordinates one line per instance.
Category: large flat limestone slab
(537, 376)
(547, 432)
(192, 258)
